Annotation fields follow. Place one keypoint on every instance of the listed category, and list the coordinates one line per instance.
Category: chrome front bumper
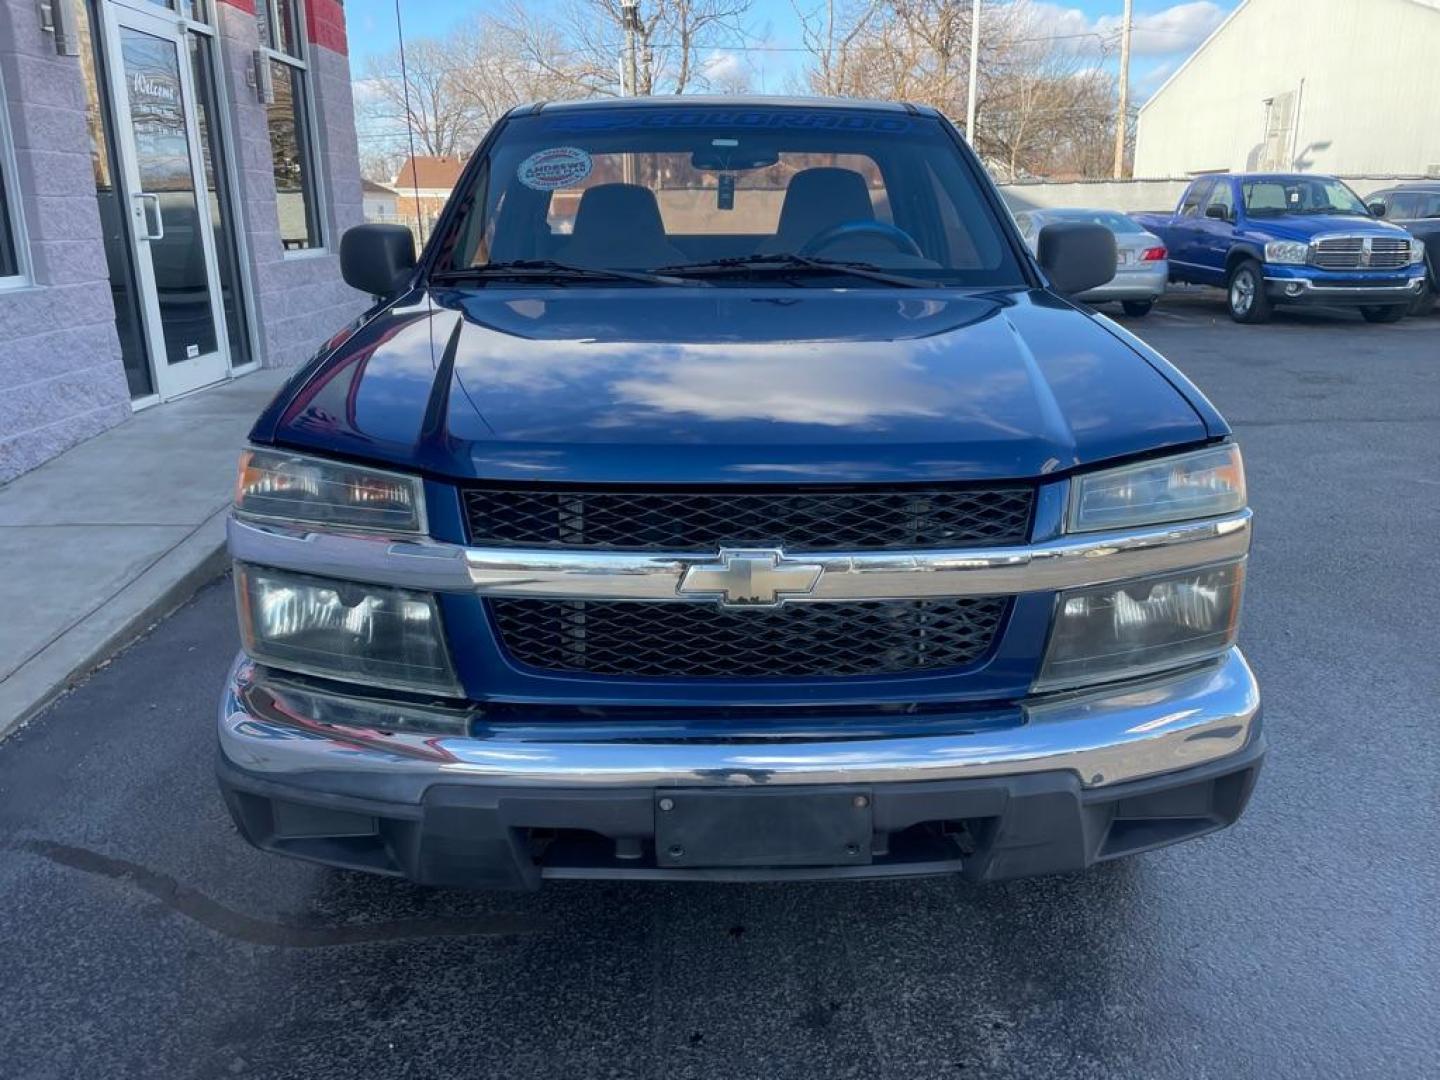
(1304, 289)
(1106, 736)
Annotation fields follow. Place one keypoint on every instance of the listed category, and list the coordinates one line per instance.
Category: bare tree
(382, 162)
(578, 44)
(829, 34)
(1041, 102)
(503, 63)
(691, 25)
(430, 103)
(459, 85)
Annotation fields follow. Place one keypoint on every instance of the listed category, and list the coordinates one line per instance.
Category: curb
(163, 586)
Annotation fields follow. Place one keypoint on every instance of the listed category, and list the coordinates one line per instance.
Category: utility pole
(974, 72)
(1122, 119)
(630, 19)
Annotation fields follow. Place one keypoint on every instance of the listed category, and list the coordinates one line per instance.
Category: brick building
(423, 187)
(174, 180)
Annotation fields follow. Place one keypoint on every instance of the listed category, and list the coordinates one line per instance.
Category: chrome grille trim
(1064, 563)
(1344, 252)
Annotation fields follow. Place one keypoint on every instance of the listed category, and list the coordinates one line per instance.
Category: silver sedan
(1142, 269)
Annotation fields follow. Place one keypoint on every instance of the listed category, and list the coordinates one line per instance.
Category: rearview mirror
(732, 159)
(1076, 256)
(1217, 212)
(1378, 209)
(377, 259)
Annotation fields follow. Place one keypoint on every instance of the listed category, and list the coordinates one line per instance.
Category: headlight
(1135, 627)
(341, 630)
(278, 485)
(1194, 485)
(1417, 251)
(1289, 252)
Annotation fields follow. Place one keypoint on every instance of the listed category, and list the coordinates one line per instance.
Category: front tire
(1424, 303)
(1245, 294)
(1137, 308)
(1385, 313)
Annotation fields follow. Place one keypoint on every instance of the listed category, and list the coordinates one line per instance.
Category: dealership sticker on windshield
(557, 167)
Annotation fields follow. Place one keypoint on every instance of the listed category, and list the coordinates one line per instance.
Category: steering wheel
(902, 241)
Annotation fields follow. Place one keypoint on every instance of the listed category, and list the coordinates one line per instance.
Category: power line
(1107, 37)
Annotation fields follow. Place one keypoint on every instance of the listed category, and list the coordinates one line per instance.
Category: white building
(378, 202)
(1331, 86)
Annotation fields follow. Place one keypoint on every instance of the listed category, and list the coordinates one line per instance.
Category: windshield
(1301, 195)
(651, 188)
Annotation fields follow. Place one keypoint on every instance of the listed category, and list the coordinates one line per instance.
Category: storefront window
(190, 9)
(11, 269)
(291, 149)
(9, 257)
(114, 224)
(222, 213)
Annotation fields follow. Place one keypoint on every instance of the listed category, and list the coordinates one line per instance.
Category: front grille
(1389, 254)
(619, 520)
(1348, 253)
(705, 641)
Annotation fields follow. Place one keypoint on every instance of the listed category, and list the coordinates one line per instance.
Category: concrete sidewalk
(102, 541)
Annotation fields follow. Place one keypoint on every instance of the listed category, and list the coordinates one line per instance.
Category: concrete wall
(1096, 194)
(61, 378)
(1370, 79)
(1137, 195)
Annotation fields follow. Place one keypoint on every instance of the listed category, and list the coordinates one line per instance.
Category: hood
(730, 385)
(1306, 226)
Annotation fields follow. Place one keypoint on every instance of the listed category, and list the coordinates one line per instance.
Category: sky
(1166, 32)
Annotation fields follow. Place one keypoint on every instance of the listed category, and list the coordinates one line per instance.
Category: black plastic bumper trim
(483, 836)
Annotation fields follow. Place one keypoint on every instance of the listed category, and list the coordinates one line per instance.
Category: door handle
(147, 202)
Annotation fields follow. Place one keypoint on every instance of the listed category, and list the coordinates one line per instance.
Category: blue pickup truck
(726, 492)
(1270, 239)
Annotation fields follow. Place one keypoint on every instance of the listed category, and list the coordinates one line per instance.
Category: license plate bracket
(824, 826)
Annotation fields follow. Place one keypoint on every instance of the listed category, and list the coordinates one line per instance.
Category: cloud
(1153, 79)
(723, 66)
(366, 90)
(1175, 29)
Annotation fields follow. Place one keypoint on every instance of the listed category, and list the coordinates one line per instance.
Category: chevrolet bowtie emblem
(744, 577)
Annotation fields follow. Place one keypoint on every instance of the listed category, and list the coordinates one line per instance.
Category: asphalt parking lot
(141, 937)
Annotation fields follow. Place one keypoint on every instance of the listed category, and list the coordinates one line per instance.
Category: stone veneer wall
(299, 298)
(61, 376)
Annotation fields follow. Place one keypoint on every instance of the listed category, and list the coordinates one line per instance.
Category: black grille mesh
(689, 640)
(796, 521)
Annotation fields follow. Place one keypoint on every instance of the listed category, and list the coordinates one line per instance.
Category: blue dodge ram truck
(1270, 238)
(727, 493)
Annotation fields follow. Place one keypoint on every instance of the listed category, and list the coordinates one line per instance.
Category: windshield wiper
(781, 262)
(555, 271)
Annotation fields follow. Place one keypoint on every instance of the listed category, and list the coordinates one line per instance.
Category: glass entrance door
(164, 172)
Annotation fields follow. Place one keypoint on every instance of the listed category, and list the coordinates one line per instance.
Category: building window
(12, 246)
(291, 140)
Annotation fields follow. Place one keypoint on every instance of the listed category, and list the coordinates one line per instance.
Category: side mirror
(1219, 213)
(1076, 256)
(376, 259)
(1378, 209)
